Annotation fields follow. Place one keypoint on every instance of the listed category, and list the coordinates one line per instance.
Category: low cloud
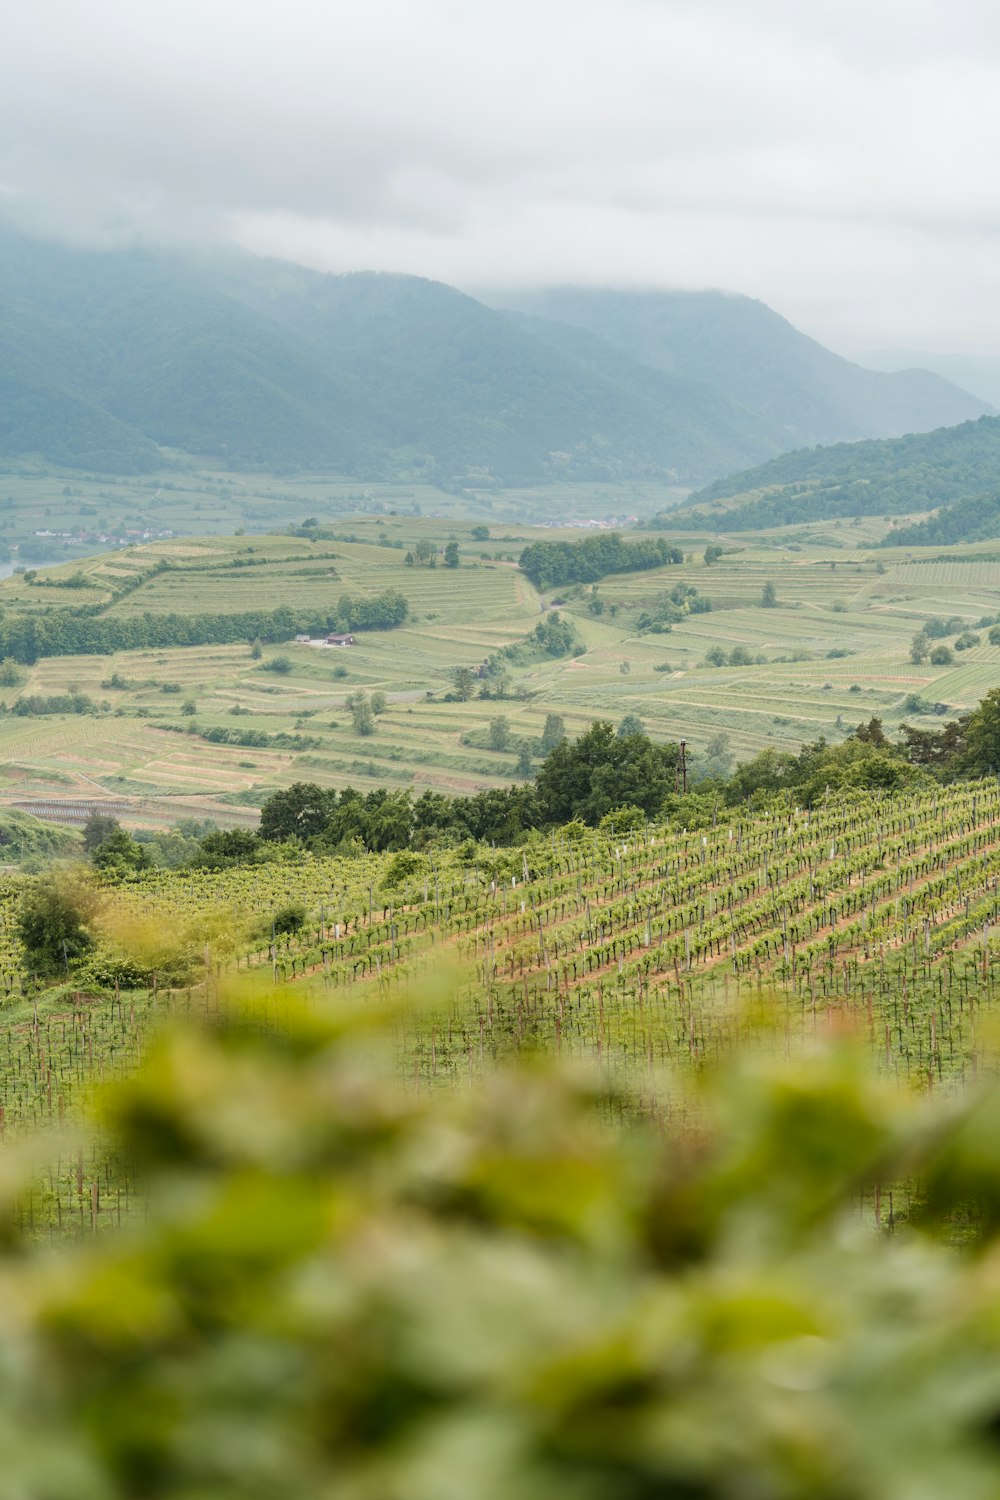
(835, 159)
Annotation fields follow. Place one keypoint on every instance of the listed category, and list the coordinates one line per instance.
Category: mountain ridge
(265, 364)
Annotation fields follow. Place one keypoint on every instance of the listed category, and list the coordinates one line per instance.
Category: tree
(464, 679)
(119, 856)
(624, 667)
(480, 533)
(362, 717)
(982, 737)
(224, 847)
(994, 636)
(291, 918)
(424, 551)
(451, 559)
(919, 647)
(631, 724)
(718, 762)
(553, 731)
(499, 733)
(524, 758)
(96, 829)
(497, 683)
(769, 596)
(388, 822)
(379, 703)
(712, 555)
(587, 777)
(256, 648)
(299, 811)
(942, 656)
(53, 924)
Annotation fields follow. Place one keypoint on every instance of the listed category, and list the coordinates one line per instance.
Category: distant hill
(979, 373)
(748, 353)
(108, 358)
(951, 467)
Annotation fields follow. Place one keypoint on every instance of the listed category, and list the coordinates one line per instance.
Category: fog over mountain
(835, 161)
(109, 357)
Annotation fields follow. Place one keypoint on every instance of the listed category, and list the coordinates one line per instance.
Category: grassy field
(194, 502)
(832, 651)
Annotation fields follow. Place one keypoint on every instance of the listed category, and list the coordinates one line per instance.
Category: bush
(291, 918)
(280, 664)
(941, 656)
(622, 821)
(403, 866)
(53, 924)
(342, 1289)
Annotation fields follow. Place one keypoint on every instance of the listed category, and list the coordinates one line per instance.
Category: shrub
(53, 924)
(403, 866)
(704, 1315)
(291, 918)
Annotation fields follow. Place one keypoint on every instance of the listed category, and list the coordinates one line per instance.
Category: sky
(836, 158)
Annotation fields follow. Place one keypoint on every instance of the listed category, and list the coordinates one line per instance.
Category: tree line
(615, 779)
(67, 632)
(550, 564)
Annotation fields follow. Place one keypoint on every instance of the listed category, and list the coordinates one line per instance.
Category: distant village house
(340, 640)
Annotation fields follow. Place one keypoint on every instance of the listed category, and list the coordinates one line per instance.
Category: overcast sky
(837, 158)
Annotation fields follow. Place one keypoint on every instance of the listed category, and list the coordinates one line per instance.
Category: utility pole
(681, 773)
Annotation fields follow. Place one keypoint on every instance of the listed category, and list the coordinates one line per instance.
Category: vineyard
(632, 953)
(834, 650)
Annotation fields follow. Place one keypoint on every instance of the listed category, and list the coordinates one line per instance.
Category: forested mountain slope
(108, 356)
(923, 471)
(745, 351)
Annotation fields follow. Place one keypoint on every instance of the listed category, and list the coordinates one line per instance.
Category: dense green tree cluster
(581, 779)
(671, 608)
(951, 466)
(552, 564)
(53, 924)
(39, 704)
(592, 777)
(975, 519)
(26, 638)
(280, 739)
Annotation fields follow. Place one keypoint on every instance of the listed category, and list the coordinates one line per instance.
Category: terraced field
(833, 651)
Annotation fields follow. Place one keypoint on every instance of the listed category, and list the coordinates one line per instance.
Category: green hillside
(108, 356)
(742, 350)
(261, 364)
(897, 476)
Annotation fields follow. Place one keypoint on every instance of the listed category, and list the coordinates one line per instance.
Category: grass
(849, 613)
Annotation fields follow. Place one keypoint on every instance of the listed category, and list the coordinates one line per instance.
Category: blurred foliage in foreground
(346, 1292)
